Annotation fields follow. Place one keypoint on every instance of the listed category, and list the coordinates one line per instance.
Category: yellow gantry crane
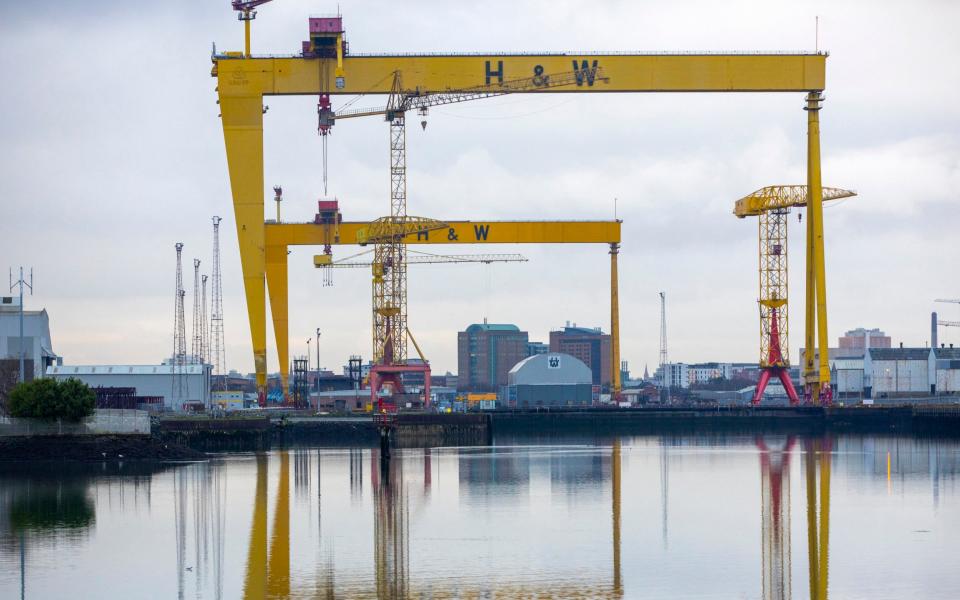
(325, 67)
(772, 205)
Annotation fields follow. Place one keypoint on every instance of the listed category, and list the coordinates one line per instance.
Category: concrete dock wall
(104, 421)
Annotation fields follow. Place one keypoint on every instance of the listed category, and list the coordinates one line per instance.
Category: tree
(48, 399)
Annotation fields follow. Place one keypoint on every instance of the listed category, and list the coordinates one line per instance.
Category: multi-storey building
(591, 346)
(486, 353)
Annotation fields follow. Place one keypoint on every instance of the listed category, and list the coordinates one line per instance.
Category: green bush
(49, 399)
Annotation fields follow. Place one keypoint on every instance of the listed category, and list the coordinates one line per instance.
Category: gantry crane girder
(278, 237)
(243, 81)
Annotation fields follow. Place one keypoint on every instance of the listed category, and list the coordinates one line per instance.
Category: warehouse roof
(552, 368)
(947, 353)
(66, 371)
(899, 353)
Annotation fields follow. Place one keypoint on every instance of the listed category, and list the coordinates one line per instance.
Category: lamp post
(306, 387)
(318, 360)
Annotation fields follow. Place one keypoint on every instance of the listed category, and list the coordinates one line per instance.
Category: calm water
(650, 517)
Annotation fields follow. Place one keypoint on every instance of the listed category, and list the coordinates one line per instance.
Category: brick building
(486, 353)
(864, 338)
(591, 346)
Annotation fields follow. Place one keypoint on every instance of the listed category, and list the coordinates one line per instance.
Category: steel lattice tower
(390, 258)
(196, 341)
(179, 358)
(664, 360)
(773, 303)
(217, 351)
(204, 324)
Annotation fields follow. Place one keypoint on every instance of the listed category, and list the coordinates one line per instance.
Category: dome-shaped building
(549, 380)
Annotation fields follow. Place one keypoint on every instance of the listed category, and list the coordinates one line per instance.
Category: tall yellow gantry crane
(772, 205)
(325, 67)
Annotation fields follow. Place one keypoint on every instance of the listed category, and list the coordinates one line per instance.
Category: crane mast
(389, 297)
(772, 205)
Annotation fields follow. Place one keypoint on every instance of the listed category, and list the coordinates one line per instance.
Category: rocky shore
(93, 448)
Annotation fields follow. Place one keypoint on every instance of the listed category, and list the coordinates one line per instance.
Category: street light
(318, 360)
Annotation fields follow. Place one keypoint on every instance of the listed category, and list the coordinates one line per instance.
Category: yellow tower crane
(388, 311)
(772, 205)
(390, 329)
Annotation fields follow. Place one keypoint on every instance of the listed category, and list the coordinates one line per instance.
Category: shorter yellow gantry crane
(772, 205)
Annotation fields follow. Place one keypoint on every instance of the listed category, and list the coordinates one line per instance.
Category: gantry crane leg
(615, 382)
(242, 116)
(277, 277)
(816, 377)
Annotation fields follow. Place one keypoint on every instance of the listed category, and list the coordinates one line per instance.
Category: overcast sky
(112, 152)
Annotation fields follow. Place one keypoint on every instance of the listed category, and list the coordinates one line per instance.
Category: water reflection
(519, 519)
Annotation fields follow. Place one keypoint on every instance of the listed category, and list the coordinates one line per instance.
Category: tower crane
(388, 234)
(948, 301)
(772, 205)
(246, 13)
(414, 257)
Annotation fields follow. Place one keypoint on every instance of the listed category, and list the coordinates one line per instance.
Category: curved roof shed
(553, 368)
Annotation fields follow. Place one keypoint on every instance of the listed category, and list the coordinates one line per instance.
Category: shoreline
(93, 448)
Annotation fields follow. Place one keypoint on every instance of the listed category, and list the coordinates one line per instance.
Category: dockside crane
(772, 205)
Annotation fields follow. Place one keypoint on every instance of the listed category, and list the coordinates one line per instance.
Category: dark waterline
(720, 516)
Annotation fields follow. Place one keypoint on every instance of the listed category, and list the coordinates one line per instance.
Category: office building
(591, 346)
(485, 354)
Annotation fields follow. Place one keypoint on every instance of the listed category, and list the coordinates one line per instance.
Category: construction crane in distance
(390, 328)
(772, 205)
(948, 323)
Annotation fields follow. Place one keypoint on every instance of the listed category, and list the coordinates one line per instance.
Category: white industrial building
(36, 344)
(682, 375)
(149, 380)
(706, 372)
(674, 375)
(897, 372)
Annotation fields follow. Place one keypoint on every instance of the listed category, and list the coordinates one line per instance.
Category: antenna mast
(217, 351)
(179, 358)
(204, 324)
(196, 343)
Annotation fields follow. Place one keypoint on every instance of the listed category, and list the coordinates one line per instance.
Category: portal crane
(772, 205)
(390, 330)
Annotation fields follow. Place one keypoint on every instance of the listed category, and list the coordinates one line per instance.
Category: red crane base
(381, 375)
(783, 374)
